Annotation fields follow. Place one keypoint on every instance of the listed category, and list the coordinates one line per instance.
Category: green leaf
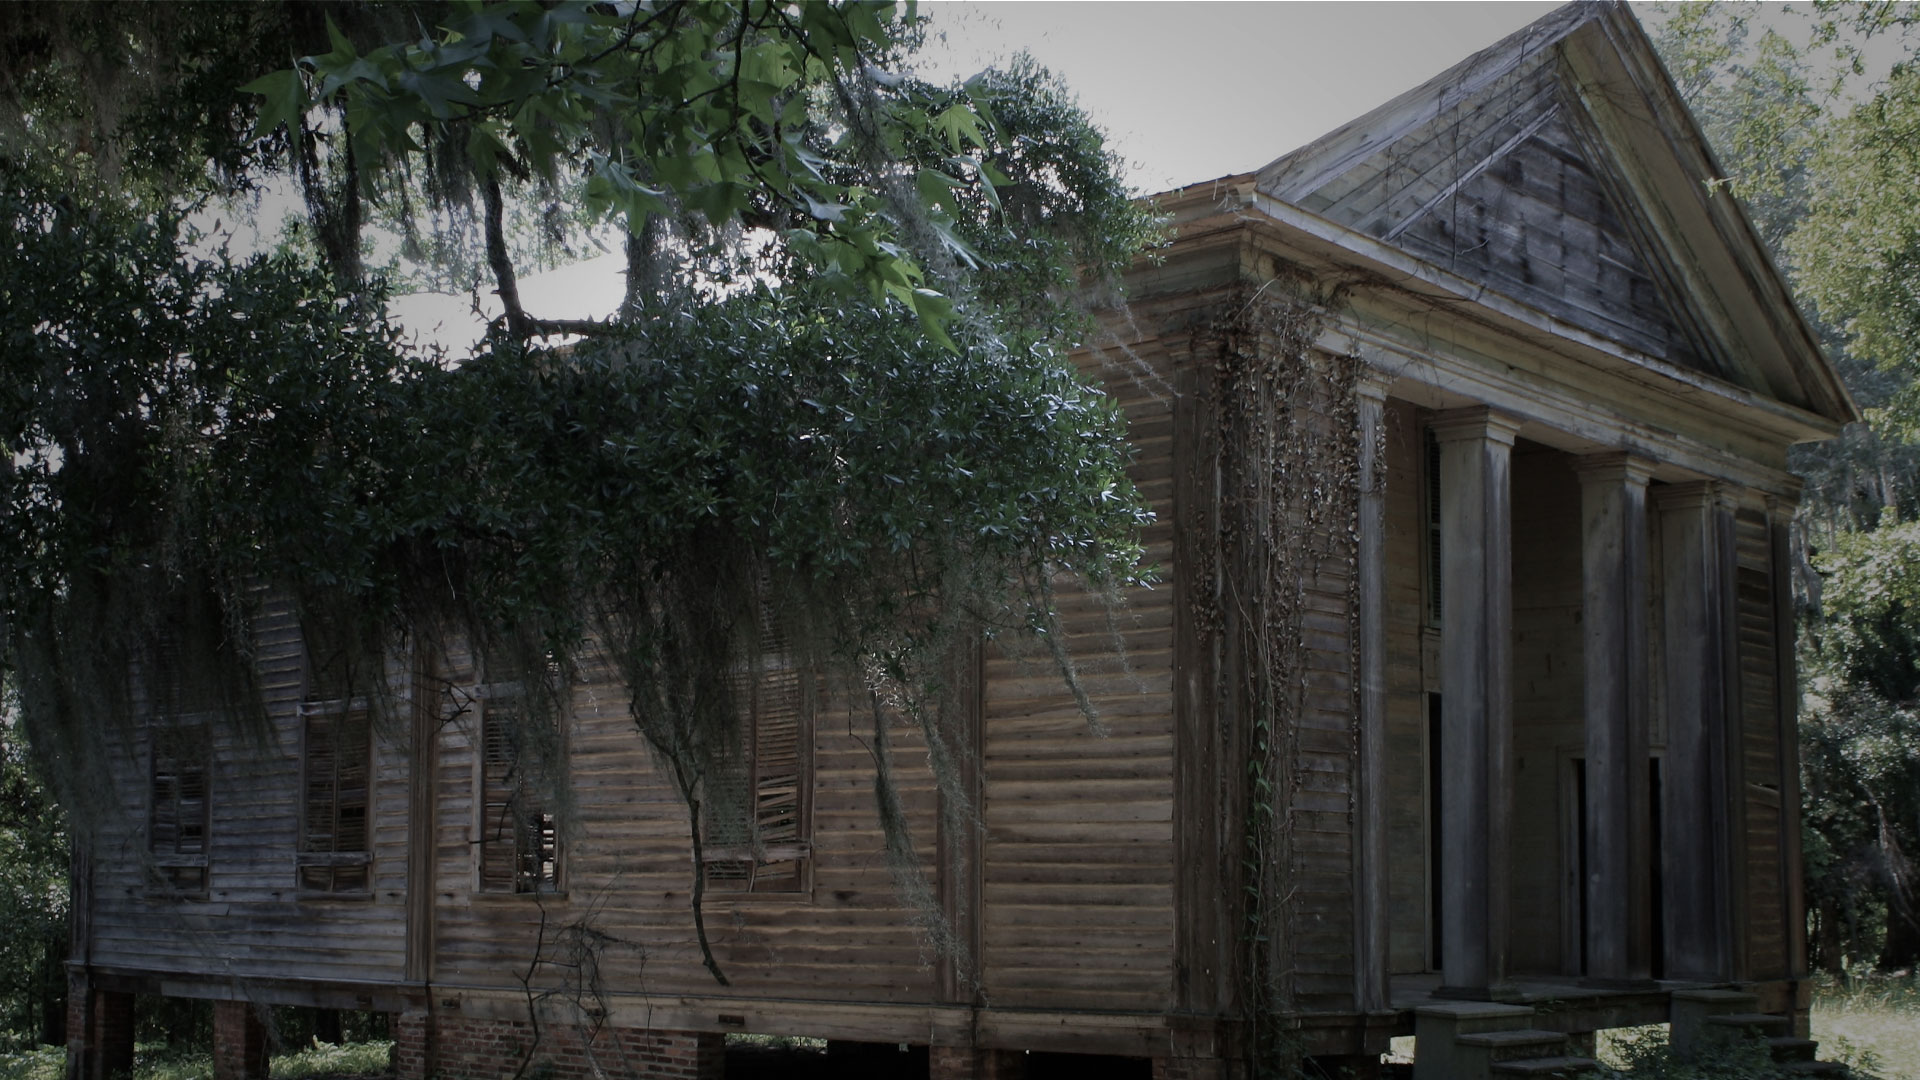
(285, 95)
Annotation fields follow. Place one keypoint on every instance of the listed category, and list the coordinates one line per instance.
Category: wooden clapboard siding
(1760, 751)
(1078, 825)
(1548, 706)
(1540, 225)
(1320, 881)
(1407, 837)
(253, 921)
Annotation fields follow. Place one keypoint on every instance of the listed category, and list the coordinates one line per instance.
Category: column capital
(1475, 422)
(1371, 383)
(1692, 495)
(1781, 507)
(1612, 467)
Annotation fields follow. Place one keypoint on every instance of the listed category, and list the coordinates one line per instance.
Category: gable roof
(1559, 168)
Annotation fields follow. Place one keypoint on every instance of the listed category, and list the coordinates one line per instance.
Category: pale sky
(1185, 91)
(1191, 91)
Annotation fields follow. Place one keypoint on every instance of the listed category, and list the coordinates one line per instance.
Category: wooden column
(1370, 925)
(1696, 850)
(1613, 489)
(1476, 683)
(1780, 513)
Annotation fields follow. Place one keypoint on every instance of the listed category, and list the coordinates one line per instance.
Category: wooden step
(1729, 1000)
(1815, 1068)
(1552, 1068)
(1754, 1023)
(1516, 1045)
(1792, 1048)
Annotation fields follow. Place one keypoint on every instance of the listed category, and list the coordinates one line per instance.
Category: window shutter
(519, 838)
(497, 828)
(177, 816)
(338, 783)
(756, 829)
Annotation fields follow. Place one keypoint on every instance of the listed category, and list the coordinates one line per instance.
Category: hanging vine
(864, 429)
(1288, 468)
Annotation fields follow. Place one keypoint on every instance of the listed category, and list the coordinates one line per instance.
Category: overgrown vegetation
(835, 411)
(33, 903)
(157, 1061)
(1288, 468)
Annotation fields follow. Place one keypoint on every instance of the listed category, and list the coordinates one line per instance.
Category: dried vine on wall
(1288, 466)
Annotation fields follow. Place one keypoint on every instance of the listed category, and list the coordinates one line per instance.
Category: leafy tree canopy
(837, 397)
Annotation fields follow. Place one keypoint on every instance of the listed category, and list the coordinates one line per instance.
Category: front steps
(1708, 1021)
(1478, 1040)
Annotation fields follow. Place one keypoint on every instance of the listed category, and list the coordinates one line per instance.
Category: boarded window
(757, 835)
(519, 835)
(177, 813)
(334, 851)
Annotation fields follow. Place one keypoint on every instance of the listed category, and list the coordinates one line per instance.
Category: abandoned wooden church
(1466, 708)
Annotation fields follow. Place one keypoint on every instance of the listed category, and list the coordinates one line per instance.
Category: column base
(1630, 985)
(1497, 992)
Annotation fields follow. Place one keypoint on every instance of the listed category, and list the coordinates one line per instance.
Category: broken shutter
(178, 811)
(758, 837)
(519, 837)
(334, 851)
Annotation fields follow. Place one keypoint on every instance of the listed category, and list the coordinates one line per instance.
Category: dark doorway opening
(1436, 847)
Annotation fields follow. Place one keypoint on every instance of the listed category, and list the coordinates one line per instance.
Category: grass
(1871, 1022)
(154, 1061)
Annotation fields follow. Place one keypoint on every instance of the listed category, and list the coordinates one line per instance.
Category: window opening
(177, 821)
(756, 829)
(519, 846)
(335, 855)
(180, 708)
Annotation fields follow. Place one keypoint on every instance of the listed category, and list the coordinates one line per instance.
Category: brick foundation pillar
(412, 1046)
(239, 1042)
(969, 1063)
(683, 1055)
(99, 1032)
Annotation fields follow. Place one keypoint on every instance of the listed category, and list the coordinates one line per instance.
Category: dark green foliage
(33, 903)
(190, 433)
(1646, 1055)
(866, 432)
(1861, 749)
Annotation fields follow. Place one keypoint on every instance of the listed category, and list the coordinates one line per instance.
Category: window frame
(774, 663)
(337, 711)
(482, 703)
(169, 867)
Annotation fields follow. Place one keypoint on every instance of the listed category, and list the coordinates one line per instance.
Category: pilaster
(1371, 928)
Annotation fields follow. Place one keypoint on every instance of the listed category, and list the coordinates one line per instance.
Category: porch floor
(1565, 1003)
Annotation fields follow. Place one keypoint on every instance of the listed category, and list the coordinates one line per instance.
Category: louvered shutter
(338, 796)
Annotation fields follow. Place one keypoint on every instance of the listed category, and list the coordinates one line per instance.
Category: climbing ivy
(1288, 463)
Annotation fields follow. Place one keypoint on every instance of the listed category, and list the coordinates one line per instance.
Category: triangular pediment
(1559, 169)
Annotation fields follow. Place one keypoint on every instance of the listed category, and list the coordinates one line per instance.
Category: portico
(1567, 704)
